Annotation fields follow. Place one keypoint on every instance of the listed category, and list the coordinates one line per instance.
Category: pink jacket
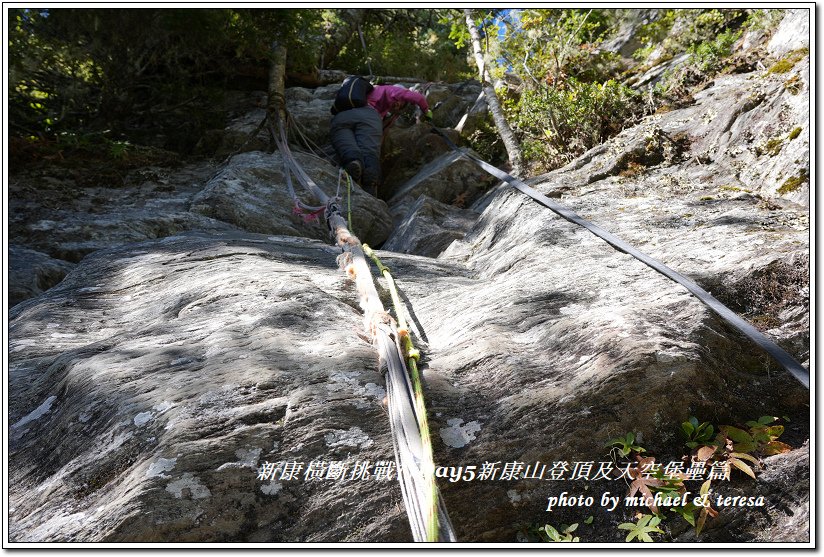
(383, 97)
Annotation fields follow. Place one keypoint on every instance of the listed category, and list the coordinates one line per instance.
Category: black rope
(781, 356)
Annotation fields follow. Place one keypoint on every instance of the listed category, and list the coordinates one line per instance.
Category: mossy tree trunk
(513, 149)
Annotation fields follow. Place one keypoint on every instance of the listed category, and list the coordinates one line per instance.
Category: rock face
(65, 220)
(150, 390)
(169, 397)
(251, 193)
(429, 228)
(33, 272)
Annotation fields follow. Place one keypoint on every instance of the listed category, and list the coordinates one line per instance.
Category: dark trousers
(356, 135)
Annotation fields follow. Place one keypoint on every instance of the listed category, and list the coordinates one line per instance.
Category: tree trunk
(513, 150)
(276, 105)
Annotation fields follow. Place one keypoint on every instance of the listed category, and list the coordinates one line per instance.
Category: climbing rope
(433, 505)
(341, 175)
(406, 412)
(781, 356)
(307, 212)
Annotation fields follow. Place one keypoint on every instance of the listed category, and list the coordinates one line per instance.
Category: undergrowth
(658, 493)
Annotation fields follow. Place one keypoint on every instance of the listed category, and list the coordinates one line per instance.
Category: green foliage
(559, 123)
(697, 434)
(157, 76)
(708, 36)
(563, 534)
(694, 27)
(647, 524)
(696, 515)
(422, 43)
(792, 183)
(652, 33)
(149, 71)
(626, 445)
(486, 141)
(734, 446)
(547, 45)
(118, 149)
(709, 55)
(764, 19)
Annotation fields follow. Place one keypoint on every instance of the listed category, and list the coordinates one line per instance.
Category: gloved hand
(428, 116)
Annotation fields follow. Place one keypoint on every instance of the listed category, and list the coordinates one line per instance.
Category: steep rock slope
(150, 388)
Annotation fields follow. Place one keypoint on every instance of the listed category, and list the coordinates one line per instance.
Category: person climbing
(358, 124)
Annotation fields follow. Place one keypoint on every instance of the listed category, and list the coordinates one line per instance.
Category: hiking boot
(355, 169)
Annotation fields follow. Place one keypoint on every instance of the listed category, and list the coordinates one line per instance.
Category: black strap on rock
(781, 356)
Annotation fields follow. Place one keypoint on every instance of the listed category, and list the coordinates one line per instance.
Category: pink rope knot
(307, 216)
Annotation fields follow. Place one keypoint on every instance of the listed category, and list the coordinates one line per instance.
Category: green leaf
(552, 533)
(687, 428)
(775, 447)
(743, 467)
(761, 437)
(737, 435)
(686, 514)
(745, 457)
(764, 420)
(745, 447)
(589, 519)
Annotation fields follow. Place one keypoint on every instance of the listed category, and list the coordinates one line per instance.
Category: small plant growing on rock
(647, 524)
(625, 445)
(716, 449)
(696, 515)
(697, 434)
(793, 85)
(562, 534)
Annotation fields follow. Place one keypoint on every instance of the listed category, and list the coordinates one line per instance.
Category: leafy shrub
(487, 143)
(677, 30)
(556, 124)
(709, 55)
